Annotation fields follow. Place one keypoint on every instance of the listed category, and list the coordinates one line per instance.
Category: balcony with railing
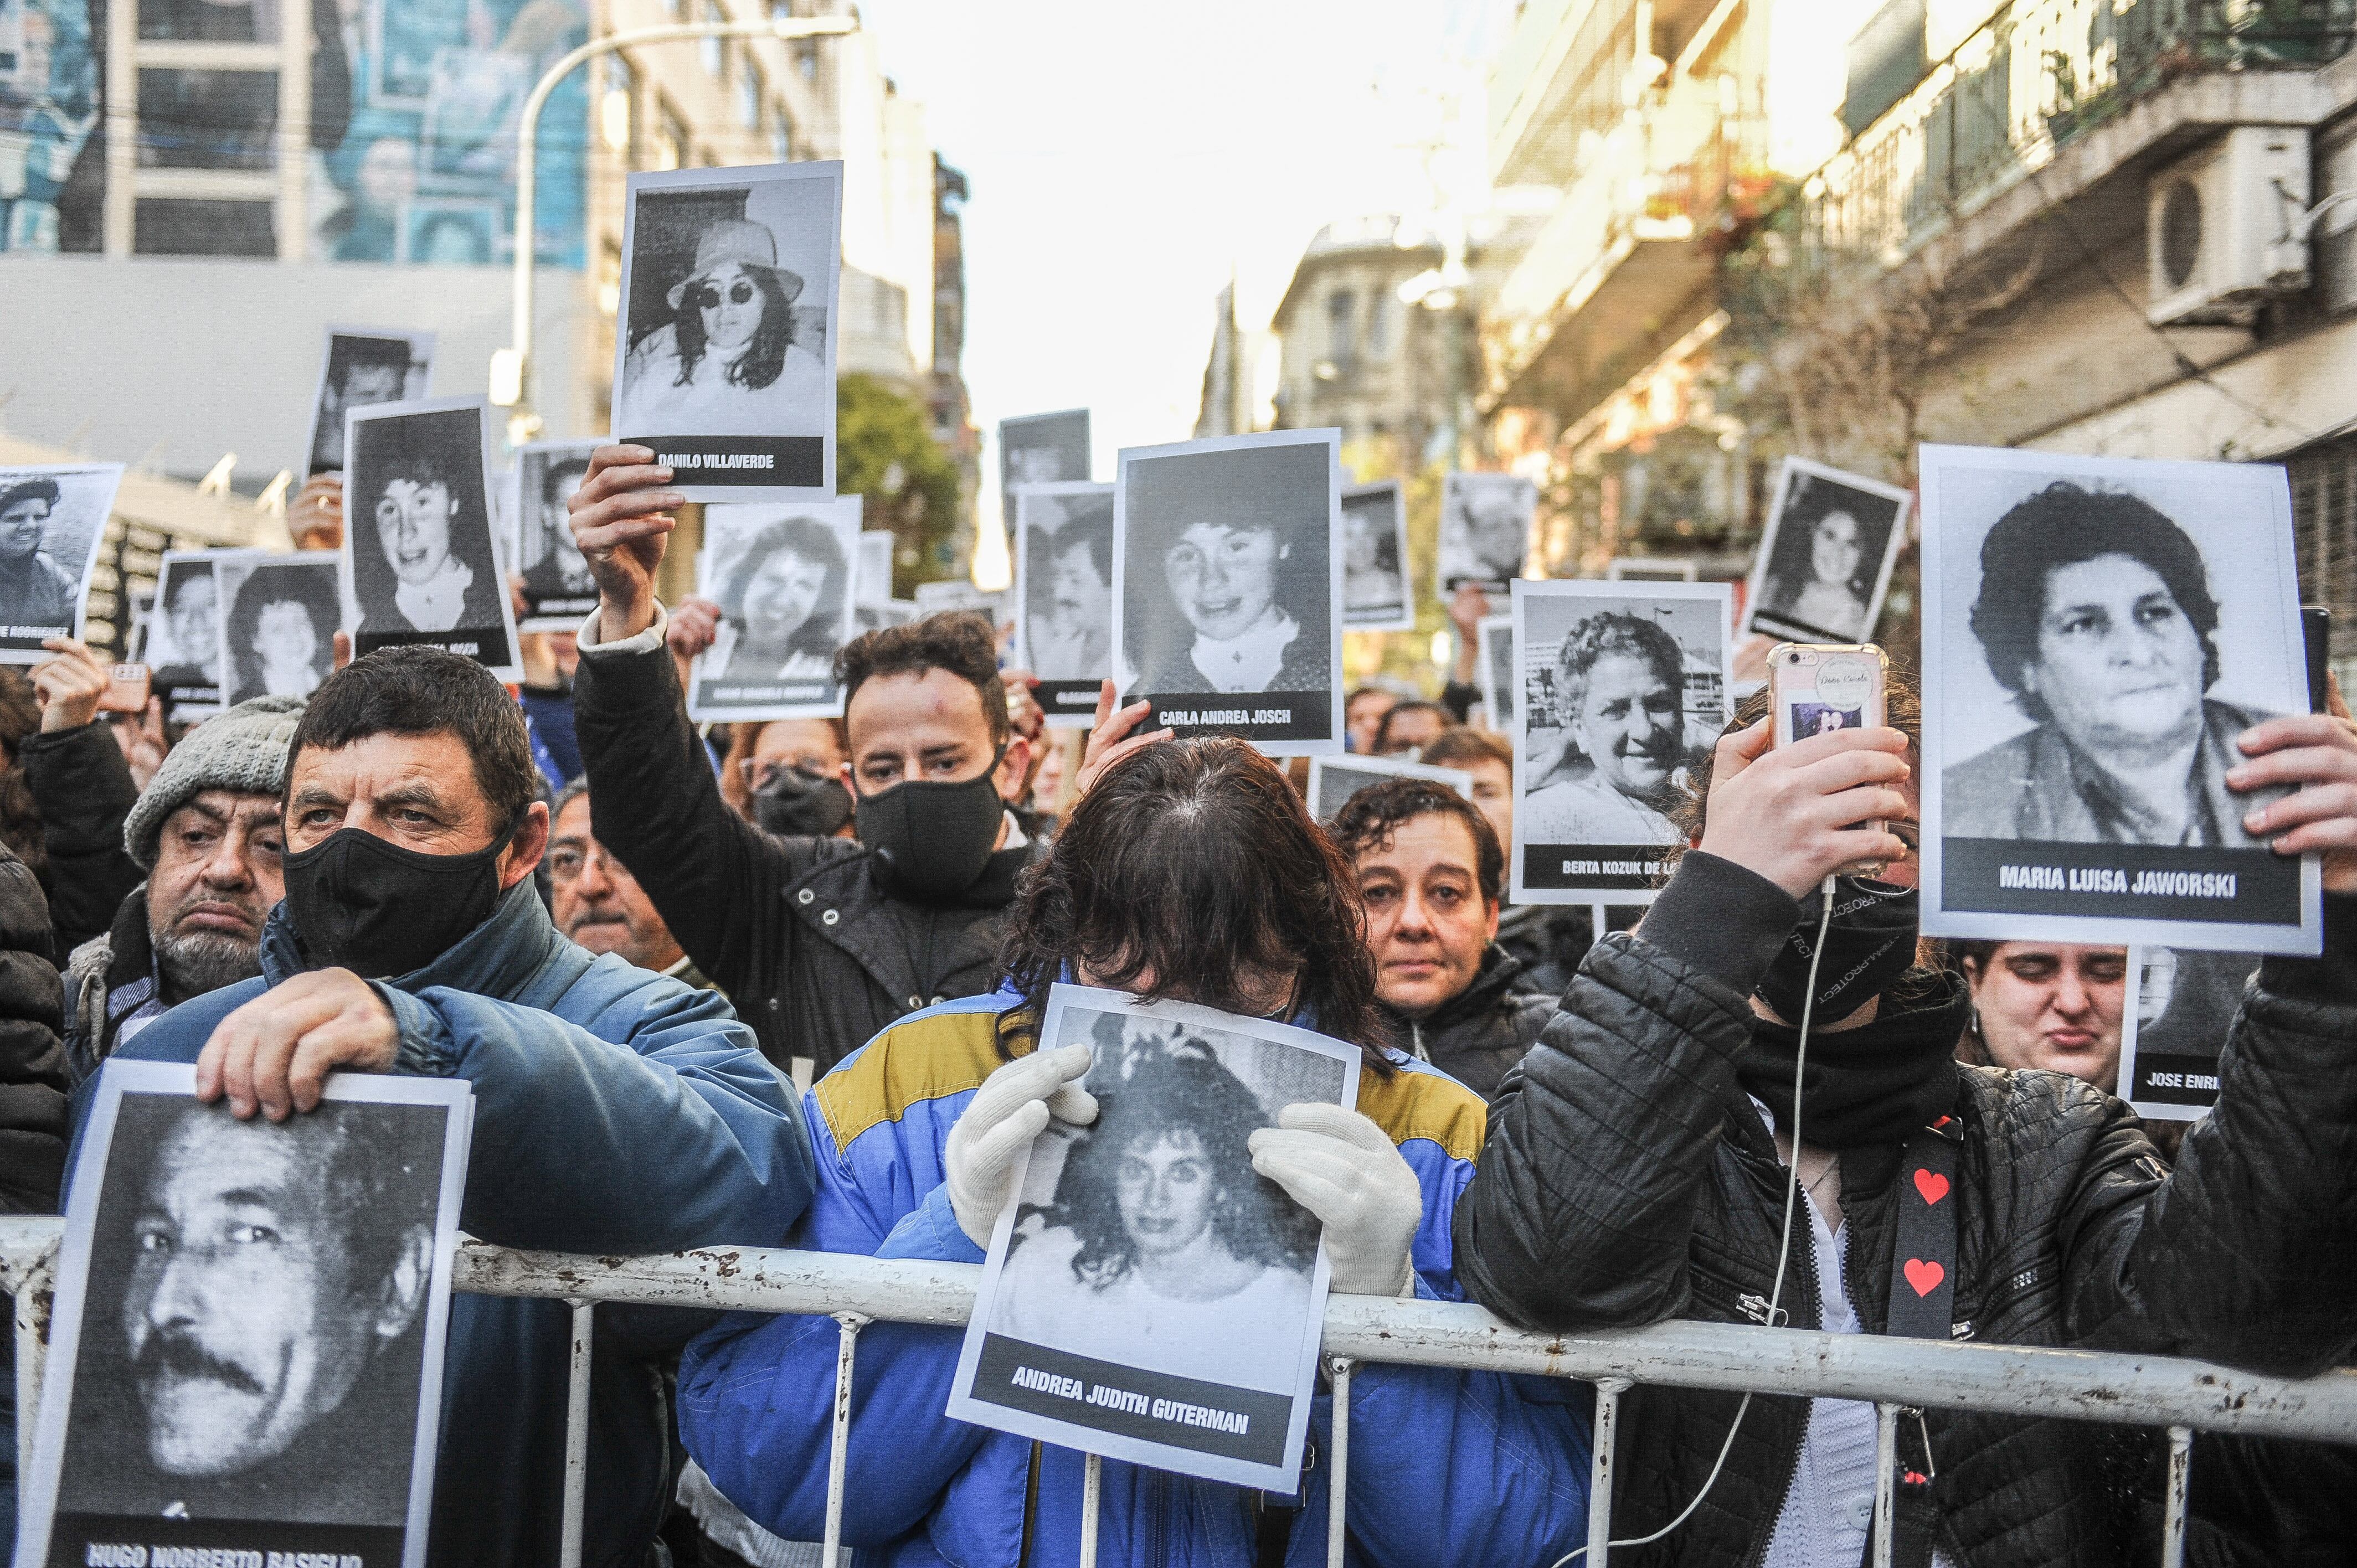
(2018, 90)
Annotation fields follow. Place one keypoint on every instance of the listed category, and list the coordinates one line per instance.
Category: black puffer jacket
(797, 932)
(85, 791)
(1628, 1179)
(1479, 1035)
(32, 1059)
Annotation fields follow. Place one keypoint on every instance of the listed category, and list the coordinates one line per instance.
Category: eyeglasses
(566, 863)
(708, 298)
(759, 772)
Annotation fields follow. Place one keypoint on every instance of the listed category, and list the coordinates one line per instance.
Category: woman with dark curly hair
(781, 605)
(281, 629)
(2095, 612)
(1158, 1214)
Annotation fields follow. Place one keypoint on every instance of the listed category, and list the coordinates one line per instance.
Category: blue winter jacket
(615, 1112)
(1446, 1467)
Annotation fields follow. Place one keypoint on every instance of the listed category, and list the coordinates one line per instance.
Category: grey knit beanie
(243, 749)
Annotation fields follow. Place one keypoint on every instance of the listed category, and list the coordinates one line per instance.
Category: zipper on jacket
(1805, 1245)
(1157, 1508)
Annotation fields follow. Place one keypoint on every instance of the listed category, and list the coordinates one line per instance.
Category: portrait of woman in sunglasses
(731, 360)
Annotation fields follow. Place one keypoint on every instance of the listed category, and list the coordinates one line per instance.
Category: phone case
(1818, 687)
(126, 690)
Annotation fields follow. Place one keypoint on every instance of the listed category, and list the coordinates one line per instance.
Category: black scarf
(1873, 1084)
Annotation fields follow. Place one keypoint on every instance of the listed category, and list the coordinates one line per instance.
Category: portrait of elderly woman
(1228, 571)
(782, 603)
(2096, 613)
(1620, 684)
(280, 640)
(1161, 1239)
(733, 356)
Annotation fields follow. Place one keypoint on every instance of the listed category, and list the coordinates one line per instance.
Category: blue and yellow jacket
(1446, 1466)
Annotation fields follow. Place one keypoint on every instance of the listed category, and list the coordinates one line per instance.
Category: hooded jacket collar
(503, 957)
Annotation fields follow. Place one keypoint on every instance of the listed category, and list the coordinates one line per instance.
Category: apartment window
(751, 97)
(716, 50)
(781, 134)
(617, 111)
(1341, 309)
(806, 58)
(1380, 306)
(670, 138)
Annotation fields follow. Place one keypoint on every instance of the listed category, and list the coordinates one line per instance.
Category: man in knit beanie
(206, 830)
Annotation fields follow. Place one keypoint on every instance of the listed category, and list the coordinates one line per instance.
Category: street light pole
(511, 368)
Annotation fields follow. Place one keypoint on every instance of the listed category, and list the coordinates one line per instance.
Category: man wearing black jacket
(1430, 873)
(1640, 1162)
(820, 942)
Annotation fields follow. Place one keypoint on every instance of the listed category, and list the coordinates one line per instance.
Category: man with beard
(207, 833)
(270, 1329)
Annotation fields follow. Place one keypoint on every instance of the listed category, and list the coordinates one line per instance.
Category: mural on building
(413, 113)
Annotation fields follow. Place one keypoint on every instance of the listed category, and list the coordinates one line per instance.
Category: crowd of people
(779, 986)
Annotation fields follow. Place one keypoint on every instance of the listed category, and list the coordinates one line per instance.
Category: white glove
(1345, 1170)
(1006, 1113)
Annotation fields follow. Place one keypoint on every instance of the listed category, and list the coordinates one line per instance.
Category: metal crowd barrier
(1896, 1375)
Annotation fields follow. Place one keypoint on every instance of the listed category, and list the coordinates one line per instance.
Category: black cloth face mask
(1870, 943)
(802, 805)
(932, 839)
(378, 910)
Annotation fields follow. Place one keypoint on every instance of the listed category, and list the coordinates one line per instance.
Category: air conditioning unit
(2219, 228)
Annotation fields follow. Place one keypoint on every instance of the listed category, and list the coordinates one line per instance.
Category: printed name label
(2245, 887)
(1185, 1412)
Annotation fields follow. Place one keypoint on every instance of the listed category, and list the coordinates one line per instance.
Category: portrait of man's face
(247, 1316)
(20, 528)
(1082, 597)
(412, 523)
(366, 385)
(555, 519)
(1033, 466)
(1496, 528)
(1629, 722)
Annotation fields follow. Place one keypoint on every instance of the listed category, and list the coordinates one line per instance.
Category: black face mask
(933, 840)
(802, 805)
(1870, 943)
(377, 909)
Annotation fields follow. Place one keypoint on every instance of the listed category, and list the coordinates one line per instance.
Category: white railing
(1895, 1374)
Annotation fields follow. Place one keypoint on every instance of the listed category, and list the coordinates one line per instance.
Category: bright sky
(1125, 158)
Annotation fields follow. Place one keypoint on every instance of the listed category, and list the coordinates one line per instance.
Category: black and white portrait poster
(1375, 591)
(2097, 634)
(1825, 559)
(784, 577)
(558, 591)
(246, 1355)
(2174, 1028)
(1148, 1296)
(1228, 588)
(1041, 449)
(184, 646)
(877, 613)
(1485, 529)
(723, 351)
(960, 593)
(1623, 689)
(1495, 659)
(278, 622)
(1334, 779)
(1063, 595)
(360, 367)
(419, 563)
(53, 521)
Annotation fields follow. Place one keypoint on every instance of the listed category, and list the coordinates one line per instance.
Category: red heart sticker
(1931, 1185)
(1924, 1276)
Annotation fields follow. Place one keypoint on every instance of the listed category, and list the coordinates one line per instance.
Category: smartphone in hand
(126, 690)
(1816, 688)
